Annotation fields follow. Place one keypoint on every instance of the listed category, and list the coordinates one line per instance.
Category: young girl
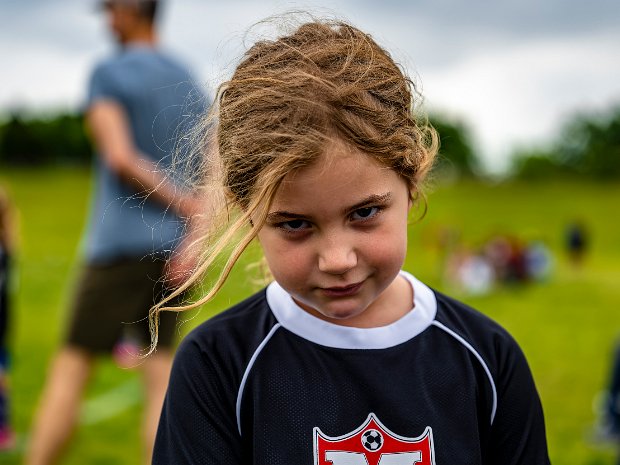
(344, 358)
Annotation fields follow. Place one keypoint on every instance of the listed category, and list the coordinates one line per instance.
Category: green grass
(565, 326)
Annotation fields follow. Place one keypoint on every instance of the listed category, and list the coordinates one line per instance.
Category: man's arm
(110, 131)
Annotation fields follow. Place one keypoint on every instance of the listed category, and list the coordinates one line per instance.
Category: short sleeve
(198, 421)
(102, 85)
(518, 430)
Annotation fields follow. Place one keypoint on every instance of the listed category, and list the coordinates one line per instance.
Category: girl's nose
(337, 258)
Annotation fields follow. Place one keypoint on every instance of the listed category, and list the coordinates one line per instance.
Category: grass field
(566, 326)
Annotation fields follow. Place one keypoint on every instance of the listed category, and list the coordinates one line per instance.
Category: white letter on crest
(406, 458)
(345, 458)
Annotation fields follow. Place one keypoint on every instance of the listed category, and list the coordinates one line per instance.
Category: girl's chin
(342, 316)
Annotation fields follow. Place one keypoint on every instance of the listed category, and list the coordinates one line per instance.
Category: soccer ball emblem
(372, 440)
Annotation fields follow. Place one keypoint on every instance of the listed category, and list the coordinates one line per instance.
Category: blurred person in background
(612, 411)
(606, 430)
(538, 261)
(7, 250)
(612, 404)
(577, 242)
(137, 107)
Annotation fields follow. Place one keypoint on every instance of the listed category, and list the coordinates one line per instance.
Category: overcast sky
(513, 70)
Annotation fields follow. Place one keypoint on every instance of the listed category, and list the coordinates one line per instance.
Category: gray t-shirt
(161, 100)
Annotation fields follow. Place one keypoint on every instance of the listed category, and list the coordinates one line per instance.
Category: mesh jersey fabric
(250, 388)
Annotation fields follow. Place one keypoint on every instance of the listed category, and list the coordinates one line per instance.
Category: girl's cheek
(296, 260)
(388, 248)
(285, 256)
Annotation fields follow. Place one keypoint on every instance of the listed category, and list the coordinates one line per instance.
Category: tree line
(53, 139)
(62, 139)
(587, 146)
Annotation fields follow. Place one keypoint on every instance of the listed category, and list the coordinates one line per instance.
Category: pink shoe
(126, 354)
(7, 438)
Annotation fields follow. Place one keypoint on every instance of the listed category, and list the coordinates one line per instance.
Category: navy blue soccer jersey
(267, 383)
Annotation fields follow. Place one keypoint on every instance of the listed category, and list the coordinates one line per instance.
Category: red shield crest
(373, 444)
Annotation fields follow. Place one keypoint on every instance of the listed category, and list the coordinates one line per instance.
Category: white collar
(309, 327)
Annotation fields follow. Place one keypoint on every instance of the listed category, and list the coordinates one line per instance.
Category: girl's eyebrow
(371, 199)
(275, 217)
(278, 216)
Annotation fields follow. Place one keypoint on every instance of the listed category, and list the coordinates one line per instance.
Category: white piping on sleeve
(248, 369)
(479, 357)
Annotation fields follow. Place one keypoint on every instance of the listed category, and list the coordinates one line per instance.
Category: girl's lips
(342, 291)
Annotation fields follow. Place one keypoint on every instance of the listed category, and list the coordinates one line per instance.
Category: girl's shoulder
(245, 316)
(235, 332)
(458, 320)
(478, 333)
(462, 317)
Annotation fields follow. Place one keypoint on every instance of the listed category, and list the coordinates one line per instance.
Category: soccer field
(565, 325)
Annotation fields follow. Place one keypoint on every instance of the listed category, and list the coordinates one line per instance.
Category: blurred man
(137, 106)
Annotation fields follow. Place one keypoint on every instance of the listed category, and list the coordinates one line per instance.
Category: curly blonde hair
(287, 99)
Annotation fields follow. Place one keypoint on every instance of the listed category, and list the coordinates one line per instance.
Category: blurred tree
(456, 156)
(591, 145)
(536, 165)
(588, 145)
(57, 139)
(18, 144)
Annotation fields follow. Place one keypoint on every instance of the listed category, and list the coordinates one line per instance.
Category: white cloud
(41, 78)
(520, 95)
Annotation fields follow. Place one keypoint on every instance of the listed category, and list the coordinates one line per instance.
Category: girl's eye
(294, 225)
(365, 213)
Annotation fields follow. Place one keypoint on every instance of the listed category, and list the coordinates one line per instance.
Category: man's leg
(156, 372)
(59, 406)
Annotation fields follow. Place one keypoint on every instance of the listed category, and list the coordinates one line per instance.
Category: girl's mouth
(342, 291)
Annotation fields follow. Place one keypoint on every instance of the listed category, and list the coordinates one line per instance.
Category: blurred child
(577, 242)
(7, 438)
(344, 358)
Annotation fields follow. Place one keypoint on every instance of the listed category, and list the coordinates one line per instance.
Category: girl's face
(336, 238)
